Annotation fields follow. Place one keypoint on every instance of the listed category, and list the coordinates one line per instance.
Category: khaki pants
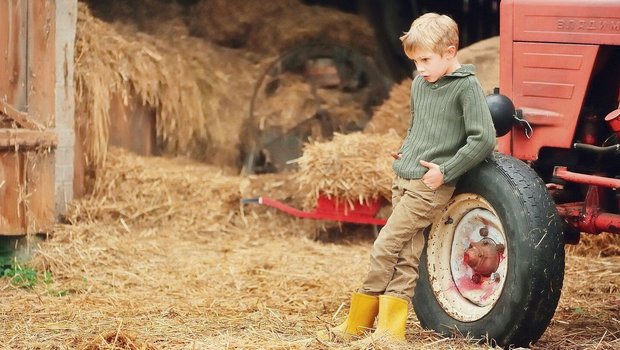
(395, 255)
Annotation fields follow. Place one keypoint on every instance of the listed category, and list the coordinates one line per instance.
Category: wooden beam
(18, 117)
(27, 139)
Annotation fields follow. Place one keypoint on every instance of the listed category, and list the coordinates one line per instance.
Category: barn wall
(36, 93)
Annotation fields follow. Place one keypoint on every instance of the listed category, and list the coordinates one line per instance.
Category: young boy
(451, 133)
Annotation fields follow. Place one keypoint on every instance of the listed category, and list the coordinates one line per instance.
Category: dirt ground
(162, 256)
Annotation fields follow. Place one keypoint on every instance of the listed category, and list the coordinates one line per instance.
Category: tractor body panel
(548, 51)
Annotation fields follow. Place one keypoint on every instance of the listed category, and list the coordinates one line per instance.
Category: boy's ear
(451, 51)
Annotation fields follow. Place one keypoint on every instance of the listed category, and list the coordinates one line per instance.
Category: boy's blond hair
(433, 32)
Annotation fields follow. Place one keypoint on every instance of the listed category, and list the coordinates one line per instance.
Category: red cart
(329, 208)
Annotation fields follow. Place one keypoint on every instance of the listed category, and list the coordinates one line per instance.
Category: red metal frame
(330, 209)
(587, 216)
(562, 173)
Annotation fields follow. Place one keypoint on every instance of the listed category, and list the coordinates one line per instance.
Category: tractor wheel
(501, 203)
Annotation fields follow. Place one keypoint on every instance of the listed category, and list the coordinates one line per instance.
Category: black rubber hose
(597, 149)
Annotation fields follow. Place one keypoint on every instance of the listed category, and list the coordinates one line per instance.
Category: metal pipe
(594, 180)
(606, 222)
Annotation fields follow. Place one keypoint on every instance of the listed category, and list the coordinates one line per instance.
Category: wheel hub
(483, 256)
(467, 258)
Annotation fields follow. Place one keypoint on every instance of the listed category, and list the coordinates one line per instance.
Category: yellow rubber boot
(392, 317)
(364, 309)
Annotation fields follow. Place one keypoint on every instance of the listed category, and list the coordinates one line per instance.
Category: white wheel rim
(450, 277)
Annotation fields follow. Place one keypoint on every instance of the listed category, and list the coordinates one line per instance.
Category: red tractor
(493, 266)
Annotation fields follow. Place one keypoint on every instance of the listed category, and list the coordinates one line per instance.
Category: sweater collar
(463, 71)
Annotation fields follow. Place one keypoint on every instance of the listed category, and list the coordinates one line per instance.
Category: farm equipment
(493, 264)
(326, 77)
(330, 209)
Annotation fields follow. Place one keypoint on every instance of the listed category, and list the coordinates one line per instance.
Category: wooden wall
(27, 142)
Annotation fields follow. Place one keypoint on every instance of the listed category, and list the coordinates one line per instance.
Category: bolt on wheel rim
(462, 295)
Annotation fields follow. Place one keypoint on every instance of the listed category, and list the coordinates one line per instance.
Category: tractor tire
(514, 305)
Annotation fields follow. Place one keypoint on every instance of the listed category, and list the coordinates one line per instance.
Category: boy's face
(431, 65)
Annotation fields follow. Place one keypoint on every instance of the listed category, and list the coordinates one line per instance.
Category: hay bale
(352, 168)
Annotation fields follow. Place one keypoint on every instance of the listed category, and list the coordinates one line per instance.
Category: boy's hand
(396, 155)
(433, 177)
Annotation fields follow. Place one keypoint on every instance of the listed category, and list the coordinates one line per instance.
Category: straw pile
(394, 113)
(352, 168)
(200, 86)
(587, 315)
(294, 103)
(159, 18)
(484, 54)
(163, 257)
(274, 26)
(194, 87)
(601, 245)
(135, 191)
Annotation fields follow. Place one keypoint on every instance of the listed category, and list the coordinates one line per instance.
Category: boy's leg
(406, 270)
(392, 254)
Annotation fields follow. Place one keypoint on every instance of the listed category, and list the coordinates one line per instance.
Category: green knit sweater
(452, 126)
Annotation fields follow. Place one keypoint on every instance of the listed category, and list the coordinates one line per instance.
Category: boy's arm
(411, 115)
(480, 133)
